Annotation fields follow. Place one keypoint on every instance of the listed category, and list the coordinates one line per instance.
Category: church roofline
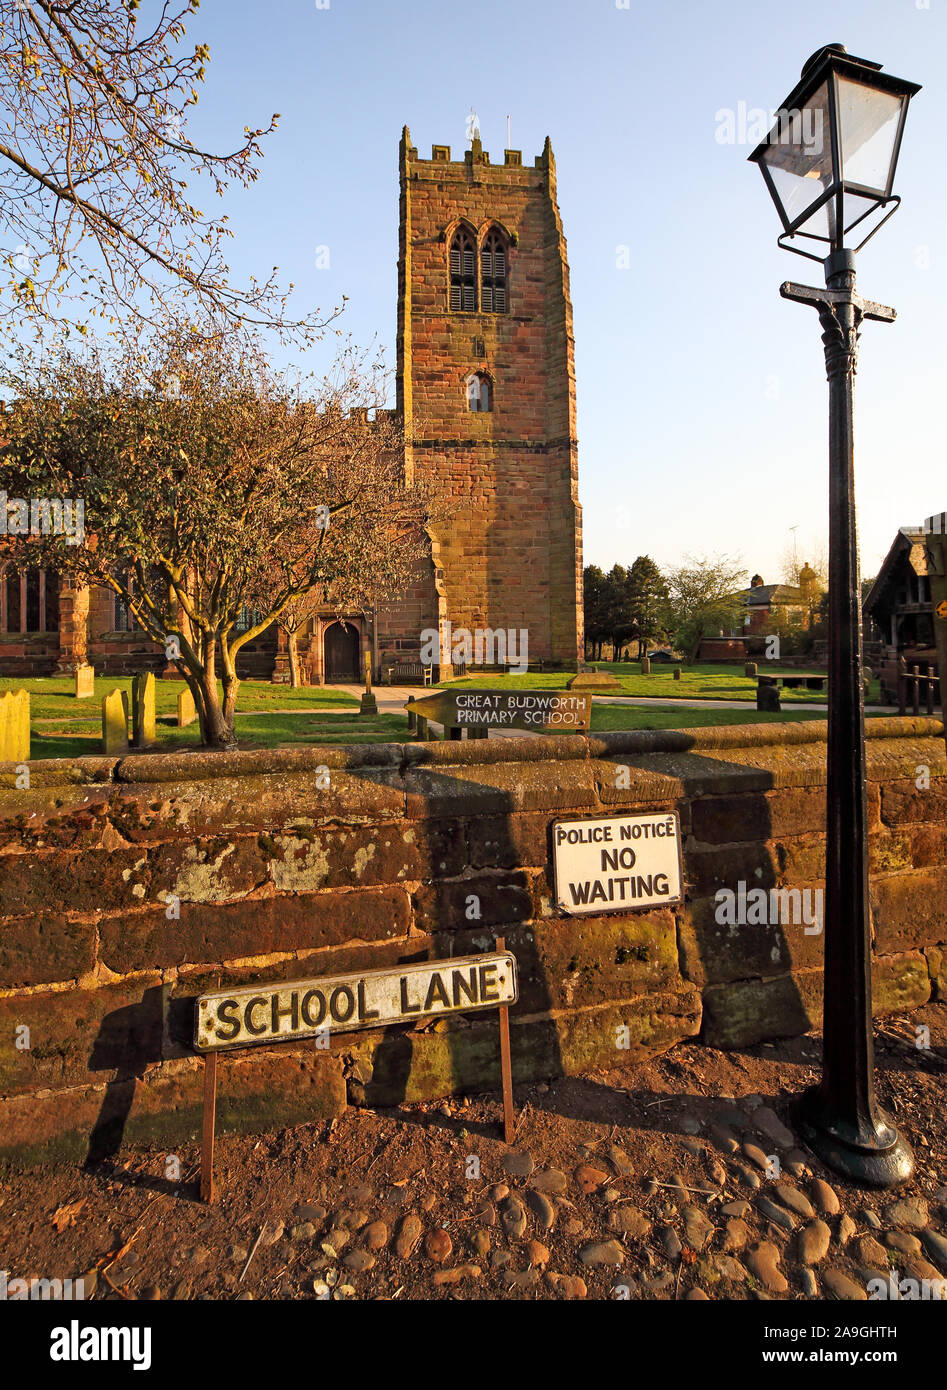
(441, 154)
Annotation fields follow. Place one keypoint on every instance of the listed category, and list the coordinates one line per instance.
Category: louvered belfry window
(463, 274)
(493, 263)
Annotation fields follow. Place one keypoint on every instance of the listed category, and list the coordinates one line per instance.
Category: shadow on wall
(486, 867)
(463, 916)
(452, 917)
(128, 1041)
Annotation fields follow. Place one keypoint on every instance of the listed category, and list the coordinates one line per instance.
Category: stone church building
(486, 390)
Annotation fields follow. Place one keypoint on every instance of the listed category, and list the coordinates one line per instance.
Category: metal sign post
(207, 1129)
(506, 1065)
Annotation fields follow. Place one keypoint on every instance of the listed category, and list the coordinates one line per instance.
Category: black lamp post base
(886, 1160)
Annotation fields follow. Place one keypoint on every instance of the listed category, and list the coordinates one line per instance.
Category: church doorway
(341, 648)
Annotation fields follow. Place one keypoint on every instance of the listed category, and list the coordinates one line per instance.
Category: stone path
(677, 1177)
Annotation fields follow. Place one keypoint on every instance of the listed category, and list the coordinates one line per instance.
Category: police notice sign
(617, 863)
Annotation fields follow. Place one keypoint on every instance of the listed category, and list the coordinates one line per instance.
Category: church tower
(486, 387)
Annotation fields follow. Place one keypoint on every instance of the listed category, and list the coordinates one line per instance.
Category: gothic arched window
(479, 392)
(493, 270)
(463, 274)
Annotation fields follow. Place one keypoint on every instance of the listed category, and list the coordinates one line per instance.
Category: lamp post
(829, 164)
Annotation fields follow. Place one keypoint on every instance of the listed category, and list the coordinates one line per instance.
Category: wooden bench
(411, 671)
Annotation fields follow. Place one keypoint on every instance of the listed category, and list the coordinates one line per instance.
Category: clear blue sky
(702, 397)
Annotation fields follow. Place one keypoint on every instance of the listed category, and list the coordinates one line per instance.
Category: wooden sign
(532, 711)
(617, 863)
(343, 1003)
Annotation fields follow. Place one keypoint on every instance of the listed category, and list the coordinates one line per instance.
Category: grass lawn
(708, 681)
(253, 731)
(298, 730)
(54, 698)
(606, 718)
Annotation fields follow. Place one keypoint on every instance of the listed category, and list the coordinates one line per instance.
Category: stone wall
(132, 885)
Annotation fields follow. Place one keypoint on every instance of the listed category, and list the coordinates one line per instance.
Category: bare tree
(217, 495)
(816, 560)
(97, 170)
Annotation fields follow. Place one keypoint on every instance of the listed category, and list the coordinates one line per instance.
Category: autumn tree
(703, 600)
(98, 175)
(218, 495)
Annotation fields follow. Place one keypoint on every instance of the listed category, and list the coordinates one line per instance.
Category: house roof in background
(764, 595)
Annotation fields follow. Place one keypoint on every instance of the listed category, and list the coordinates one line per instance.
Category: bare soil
(136, 1230)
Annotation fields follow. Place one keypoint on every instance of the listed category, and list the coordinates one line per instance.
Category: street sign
(617, 863)
(942, 609)
(533, 711)
(281, 1012)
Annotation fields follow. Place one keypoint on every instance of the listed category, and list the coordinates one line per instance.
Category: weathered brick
(207, 932)
(78, 1035)
(751, 1011)
(910, 909)
(706, 870)
(508, 842)
(362, 856)
(236, 806)
(758, 815)
(44, 949)
(937, 968)
(499, 789)
(717, 952)
(464, 1054)
(263, 1091)
(577, 962)
(903, 802)
(501, 897)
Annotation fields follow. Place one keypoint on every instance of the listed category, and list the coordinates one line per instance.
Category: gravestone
(677, 673)
(85, 682)
(767, 695)
(186, 711)
(143, 709)
(645, 666)
(594, 682)
(115, 722)
(751, 669)
(15, 727)
(369, 704)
